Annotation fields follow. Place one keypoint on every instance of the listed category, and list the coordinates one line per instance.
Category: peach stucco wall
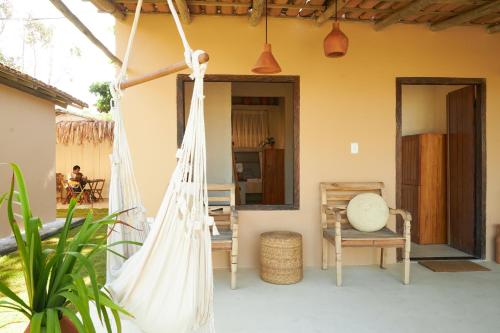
(27, 137)
(345, 100)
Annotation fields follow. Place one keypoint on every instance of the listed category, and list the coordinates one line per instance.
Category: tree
(9, 61)
(103, 92)
(37, 35)
(5, 13)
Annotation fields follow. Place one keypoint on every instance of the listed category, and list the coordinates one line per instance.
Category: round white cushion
(368, 212)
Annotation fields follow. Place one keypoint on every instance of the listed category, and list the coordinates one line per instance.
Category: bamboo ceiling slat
(308, 12)
(147, 8)
(194, 9)
(277, 11)
(226, 10)
(210, 9)
(372, 11)
(351, 14)
(162, 8)
(243, 10)
(368, 4)
(295, 11)
(487, 19)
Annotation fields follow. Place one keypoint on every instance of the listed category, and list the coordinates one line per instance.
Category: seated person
(77, 176)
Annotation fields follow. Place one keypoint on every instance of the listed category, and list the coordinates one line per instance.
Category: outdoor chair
(221, 201)
(337, 230)
(59, 187)
(75, 189)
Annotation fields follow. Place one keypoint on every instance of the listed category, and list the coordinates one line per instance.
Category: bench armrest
(406, 219)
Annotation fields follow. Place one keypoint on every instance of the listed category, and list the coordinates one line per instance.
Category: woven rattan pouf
(281, 257)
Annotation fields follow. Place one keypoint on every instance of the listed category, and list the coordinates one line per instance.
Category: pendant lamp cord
(266, 21)
(336, 12)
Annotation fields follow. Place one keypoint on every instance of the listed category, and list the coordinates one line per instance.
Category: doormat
(452, 266)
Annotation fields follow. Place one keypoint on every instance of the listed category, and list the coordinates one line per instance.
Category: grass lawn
(11, 271)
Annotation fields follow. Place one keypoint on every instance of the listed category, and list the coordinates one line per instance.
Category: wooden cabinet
(424, 186)
(273, 176)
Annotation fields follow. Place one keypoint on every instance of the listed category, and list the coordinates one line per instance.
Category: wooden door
(273, 177)
(461, 173)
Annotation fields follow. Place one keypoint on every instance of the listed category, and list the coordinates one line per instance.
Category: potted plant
(54, 278)
(269, 141)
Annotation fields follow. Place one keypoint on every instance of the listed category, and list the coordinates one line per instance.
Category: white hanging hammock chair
(167, 284)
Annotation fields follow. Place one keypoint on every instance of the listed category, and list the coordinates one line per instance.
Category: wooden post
(108, 7)
(382, 259)
(412, 8)
(467, 16)
(324, 251)
(234, 256)
(257, 10)
(338, 249)
(407, 249)
(77, 23)
(324, 226)
(183, 11)
(174, 68)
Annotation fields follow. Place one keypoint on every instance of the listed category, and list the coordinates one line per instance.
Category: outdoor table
(95, 187)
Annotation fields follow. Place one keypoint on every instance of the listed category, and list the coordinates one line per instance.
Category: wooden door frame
(480, 150)
(295, 81)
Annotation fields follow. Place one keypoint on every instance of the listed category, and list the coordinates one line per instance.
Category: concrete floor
(371, 300)
(435, 250)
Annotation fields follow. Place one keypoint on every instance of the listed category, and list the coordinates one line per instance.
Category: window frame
(295, 81)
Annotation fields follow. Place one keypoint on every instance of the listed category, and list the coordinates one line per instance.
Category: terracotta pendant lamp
(336, 42)
(266, 63)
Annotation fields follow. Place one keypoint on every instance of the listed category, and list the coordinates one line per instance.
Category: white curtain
(250, 128)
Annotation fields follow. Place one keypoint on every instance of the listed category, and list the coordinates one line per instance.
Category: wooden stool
(281, 257)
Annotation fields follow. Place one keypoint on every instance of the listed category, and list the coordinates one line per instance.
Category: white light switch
(354, 148)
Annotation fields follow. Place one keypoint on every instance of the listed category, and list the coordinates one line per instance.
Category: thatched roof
(84, 131)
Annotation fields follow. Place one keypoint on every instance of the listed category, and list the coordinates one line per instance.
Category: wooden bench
(336, 229)
(221, 201)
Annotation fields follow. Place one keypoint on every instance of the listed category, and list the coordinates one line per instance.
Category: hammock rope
(167, 284)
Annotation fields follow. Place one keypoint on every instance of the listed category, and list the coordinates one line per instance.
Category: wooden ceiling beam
(182, 7)
(242, 4)
(109, 7)
(467, 16)
(257, 10)
(330, 11)
(80, 26)
(493, 28)
(411, 9)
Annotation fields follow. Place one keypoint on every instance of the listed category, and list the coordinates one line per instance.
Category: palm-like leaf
(55, 278)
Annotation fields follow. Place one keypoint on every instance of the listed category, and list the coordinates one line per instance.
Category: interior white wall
(218, 129)
(424, 108)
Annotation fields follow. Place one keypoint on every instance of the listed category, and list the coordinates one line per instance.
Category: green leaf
(73, 318)
(12, 295)
(15, 307)
(36, 322)
(53, 325)
(106, 319)
(91, 272)
(3, 197)
(21, 245)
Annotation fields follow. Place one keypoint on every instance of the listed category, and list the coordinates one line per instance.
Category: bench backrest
(222, 204)
(339, 194)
